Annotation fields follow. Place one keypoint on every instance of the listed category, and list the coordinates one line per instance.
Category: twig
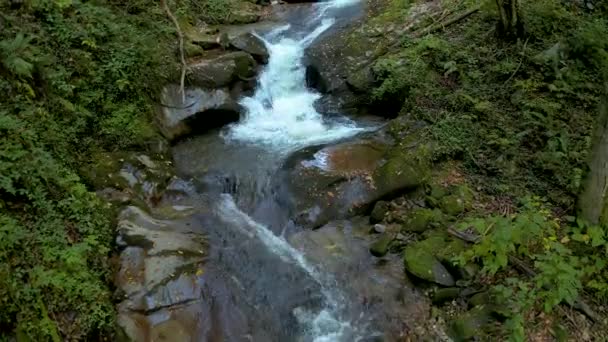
(182, 56)
(523, 52)
(579, 304)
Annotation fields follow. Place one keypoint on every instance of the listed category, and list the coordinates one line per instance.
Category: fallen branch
(182, 56)
(579, 304)
(444, 24)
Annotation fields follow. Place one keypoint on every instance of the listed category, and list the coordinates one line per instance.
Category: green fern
(14, 56)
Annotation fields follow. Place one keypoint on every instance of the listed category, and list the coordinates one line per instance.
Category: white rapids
(280, 114)
(281, 117)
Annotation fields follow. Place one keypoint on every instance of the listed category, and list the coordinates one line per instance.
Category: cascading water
(280, 117)
(281, 114)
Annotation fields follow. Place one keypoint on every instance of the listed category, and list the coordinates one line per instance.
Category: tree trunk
(593, 202)
(511, 25)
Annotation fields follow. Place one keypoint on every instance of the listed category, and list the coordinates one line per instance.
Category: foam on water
(281, 114)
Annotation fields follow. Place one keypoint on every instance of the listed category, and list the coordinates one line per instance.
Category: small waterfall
(281, 117)
(324, 325)
(280, 114)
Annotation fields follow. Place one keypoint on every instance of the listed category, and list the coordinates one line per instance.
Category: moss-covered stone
(422, 219)
(459, 201)
(420, 261)
(403, 170)
(377, 214)
(382, 245)
(193, 50)
(451, 248)
(445, 295)
(479, 299)
(435, 194)
(470, 324)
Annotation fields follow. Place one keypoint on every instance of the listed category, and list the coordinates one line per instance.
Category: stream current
(299, 298)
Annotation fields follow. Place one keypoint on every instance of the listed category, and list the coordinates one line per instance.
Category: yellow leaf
(199, 272)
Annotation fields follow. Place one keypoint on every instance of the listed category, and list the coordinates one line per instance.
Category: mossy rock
(450, 249)
(435, 194)
(479, 299)
(471, 324)
(422, 219)
(420, 261)
(445, 295)
(381, 247)
(403, 170)
(193, 50)
(377, 214)
(459, 201)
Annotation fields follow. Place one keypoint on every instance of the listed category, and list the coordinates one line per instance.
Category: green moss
(382, 245)
(420, 261)
(422, 219)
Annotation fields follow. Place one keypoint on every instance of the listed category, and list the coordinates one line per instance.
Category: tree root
(182, 56)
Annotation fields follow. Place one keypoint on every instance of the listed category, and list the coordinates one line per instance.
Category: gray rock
(222, 71)
(252, 44)
(379, 228)
(201, 110)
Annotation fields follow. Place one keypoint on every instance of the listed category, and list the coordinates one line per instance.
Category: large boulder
(378, 287)
(250, 43)
(347, 179)
(222, 71)
(340, 62)
(201, 110)
(420, 261)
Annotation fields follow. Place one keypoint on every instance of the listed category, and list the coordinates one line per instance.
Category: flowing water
(279, 119)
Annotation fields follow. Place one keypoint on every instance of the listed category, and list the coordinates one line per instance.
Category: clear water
(280, 117)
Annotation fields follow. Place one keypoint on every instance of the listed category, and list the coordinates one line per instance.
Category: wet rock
(252, 44)
(380, 209)
(378, 287)
(382, 245)
(424, 265)
(347, 179)
(470, 324)
(223, 70)
(130, 276)
(201, 111)
(114, 195)
(158, 237)
(160, 268)
(445, 295)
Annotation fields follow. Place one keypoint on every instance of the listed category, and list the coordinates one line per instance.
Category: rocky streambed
(273, 217)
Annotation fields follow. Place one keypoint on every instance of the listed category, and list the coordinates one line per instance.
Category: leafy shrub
(76, 77)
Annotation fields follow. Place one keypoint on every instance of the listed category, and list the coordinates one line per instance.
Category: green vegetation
(77, 79)
(519, 117)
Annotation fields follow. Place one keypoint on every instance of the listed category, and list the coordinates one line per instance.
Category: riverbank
(511, 127)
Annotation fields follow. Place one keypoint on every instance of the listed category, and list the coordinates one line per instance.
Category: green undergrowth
(77, 78)
(519, 116)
